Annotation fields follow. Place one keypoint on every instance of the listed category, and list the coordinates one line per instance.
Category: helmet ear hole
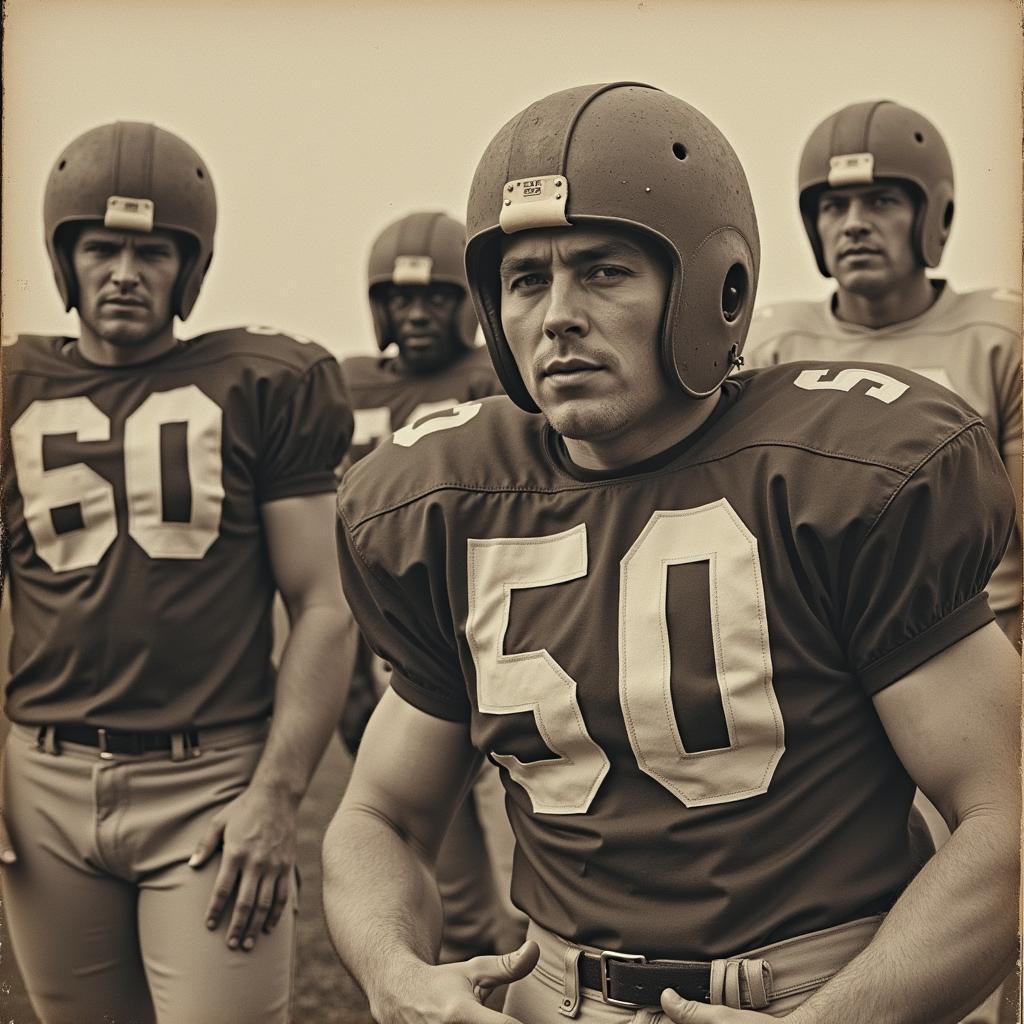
(734, 292)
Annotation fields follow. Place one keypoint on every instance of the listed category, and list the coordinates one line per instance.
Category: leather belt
(113, 741)
(626, 979)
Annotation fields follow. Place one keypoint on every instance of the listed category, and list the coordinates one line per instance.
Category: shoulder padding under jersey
(868, 412)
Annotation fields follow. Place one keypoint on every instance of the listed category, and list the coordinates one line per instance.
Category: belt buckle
(607, 955)
(101, 739)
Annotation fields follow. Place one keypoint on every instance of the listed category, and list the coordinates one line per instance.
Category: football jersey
(140, 580)
(969, 343)
(384, 397)
(674, 664)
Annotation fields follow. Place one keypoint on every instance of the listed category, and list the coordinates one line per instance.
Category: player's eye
(526, 281)
(608, 273)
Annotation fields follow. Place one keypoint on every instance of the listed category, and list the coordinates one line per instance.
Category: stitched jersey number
(44, 490)
(374, 422)
(534, 681)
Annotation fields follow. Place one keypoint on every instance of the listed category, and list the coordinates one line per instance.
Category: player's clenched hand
(686, 1011)
(7, 854)
(257, 831)
(455, 993)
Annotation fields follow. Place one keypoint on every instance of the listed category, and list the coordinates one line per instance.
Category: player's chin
(582, 419)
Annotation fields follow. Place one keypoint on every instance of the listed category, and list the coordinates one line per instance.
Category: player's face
(581, 308)
(126, 286)
(423, 317)
(866, 239)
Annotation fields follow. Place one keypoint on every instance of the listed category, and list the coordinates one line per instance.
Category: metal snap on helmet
(878, 140)
(421, 248)
(625, 154)
(136, 177)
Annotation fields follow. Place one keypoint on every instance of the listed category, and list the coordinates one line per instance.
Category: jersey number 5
(534, 681)
(45, 490)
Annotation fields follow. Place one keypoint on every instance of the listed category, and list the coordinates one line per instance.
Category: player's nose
(565, 313)
(125, 270)
(855, 221)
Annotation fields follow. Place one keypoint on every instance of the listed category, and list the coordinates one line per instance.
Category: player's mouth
(419, 342)
(859, 252)
(124, 302)
(567, 372)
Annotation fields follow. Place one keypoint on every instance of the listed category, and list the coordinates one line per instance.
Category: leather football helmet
(421, 248)
(631, 155)
(878, 140)
(132, 176)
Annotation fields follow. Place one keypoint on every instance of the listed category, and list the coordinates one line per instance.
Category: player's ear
(947, 223)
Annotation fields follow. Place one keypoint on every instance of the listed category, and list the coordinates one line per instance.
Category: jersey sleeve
(917, 584)
(400, 613)
(308, 435)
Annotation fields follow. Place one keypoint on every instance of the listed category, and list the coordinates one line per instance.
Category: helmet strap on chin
(735, 359)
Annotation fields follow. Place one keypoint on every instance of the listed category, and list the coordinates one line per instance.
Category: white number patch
(415, 431)
(886, 389)
(45, 490)
(534, 681)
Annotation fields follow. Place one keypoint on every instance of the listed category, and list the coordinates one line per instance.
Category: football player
(876, 198)
(713, 628)
(426, 330)
(158, 491)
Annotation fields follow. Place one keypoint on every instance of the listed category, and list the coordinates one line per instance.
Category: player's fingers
(260, 911)
(245, 904)
(488, 972)
(223, 887)
(7, 854)
(280, 900)
(208, 845)
(686, 1011)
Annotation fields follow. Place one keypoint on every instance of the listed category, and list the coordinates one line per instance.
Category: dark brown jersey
(674, 665)
(140, 580)
(385, 398)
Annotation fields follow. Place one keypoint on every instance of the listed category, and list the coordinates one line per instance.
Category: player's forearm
(380, 900)
(946, 943)
(312, 684)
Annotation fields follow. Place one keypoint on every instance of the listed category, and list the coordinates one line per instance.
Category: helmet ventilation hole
(734, 292)
(918, 137)
(199, 172)
(679, 150)
(947, 215)
(62, 165)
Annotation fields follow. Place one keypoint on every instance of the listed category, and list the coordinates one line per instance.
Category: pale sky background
(322, 121)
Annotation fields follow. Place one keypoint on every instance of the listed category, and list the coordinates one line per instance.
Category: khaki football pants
(106, 917)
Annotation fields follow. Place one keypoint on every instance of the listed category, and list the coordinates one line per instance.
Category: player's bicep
(411, 773)
(954, 722)
(300, 540)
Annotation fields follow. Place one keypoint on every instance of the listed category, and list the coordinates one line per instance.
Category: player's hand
(686, 1011)
(257, 831)
(455, 993)
(7, 854)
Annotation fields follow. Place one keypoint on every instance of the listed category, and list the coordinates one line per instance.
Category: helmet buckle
(412, 270)
(129, 214)
(534, 203)
(851, 169)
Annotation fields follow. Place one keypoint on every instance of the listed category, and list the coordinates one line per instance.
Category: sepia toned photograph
(510, 513)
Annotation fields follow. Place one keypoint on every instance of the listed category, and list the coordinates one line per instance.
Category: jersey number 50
(534, 681)
(44, 490)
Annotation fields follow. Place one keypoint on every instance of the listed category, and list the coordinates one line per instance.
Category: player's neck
(894, 307)
(101, 352)
(643, 441)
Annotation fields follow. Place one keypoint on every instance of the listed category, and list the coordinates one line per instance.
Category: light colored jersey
(969, 343)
